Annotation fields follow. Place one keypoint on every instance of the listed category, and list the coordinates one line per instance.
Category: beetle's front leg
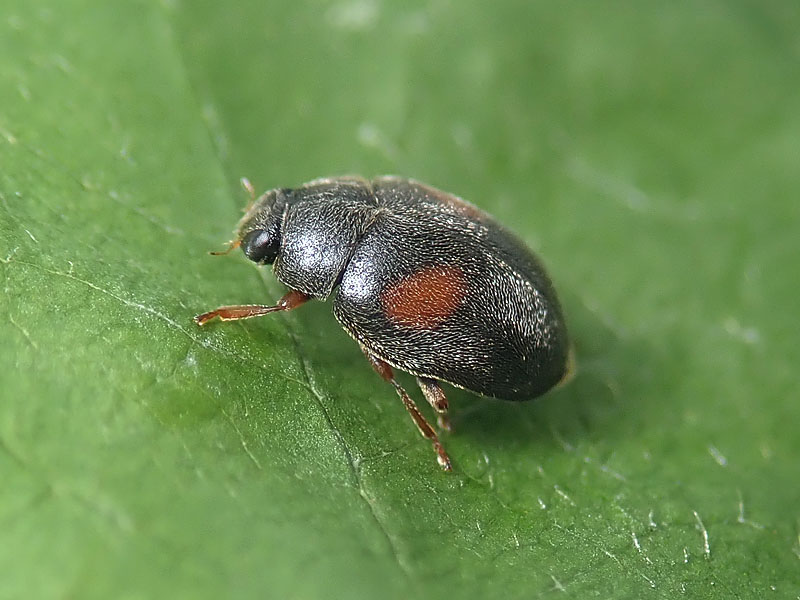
(247, 311)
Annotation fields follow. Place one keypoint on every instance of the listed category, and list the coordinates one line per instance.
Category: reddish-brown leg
(435, 396)
(385, 371)
(246, 311)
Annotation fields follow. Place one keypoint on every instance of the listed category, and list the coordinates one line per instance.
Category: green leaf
(648, 151)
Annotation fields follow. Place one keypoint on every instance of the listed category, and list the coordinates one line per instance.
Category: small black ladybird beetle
(424, 282)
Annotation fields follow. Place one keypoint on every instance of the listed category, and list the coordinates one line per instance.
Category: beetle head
(259, 231)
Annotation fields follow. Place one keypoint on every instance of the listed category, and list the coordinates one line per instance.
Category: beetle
(424, 281)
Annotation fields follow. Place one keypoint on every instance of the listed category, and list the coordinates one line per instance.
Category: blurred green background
(648, 151)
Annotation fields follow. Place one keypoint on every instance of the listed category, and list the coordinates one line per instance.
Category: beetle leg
(434, 394)
(246, 311)
(386, 372)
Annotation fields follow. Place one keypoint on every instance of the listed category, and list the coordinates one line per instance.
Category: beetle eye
(259, 246)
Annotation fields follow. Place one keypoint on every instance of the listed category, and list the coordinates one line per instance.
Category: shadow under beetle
(423, 281)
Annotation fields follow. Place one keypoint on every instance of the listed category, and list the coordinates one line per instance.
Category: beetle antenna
(251, 191)
(232, 245)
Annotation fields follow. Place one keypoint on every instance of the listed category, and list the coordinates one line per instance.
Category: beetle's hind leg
(434, 394)
(385, 371)
(247, 311)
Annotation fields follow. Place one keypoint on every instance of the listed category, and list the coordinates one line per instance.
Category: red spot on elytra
(425, 299)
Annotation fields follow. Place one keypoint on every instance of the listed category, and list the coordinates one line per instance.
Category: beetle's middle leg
(247, 311)
(385, 371)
